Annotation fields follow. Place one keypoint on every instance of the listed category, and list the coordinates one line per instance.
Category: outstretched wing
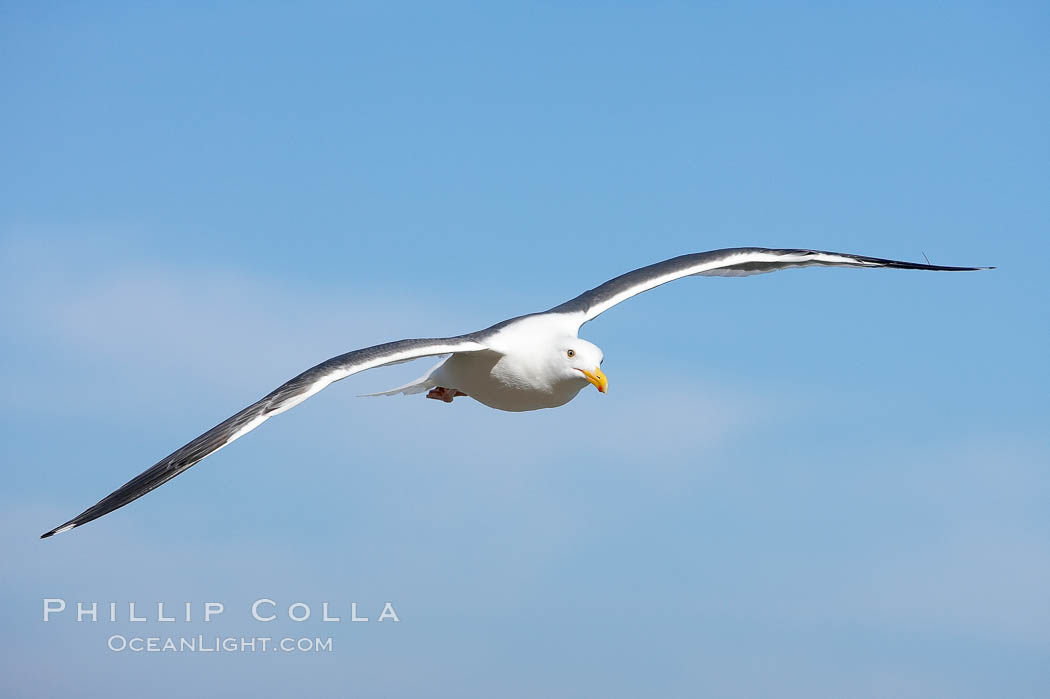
(731, 262)
(288, 395)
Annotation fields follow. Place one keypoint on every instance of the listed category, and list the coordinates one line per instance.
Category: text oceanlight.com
(217, 644)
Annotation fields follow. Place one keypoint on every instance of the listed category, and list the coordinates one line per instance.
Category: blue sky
(813, 483)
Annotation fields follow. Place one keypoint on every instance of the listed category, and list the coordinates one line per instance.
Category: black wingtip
(60, 529)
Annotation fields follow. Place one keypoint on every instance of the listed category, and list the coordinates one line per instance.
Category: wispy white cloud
(145, 321)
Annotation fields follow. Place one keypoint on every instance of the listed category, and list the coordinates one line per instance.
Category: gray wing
(288, 395)
(731, 262)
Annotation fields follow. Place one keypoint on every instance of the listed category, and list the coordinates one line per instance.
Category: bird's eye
(571, 353)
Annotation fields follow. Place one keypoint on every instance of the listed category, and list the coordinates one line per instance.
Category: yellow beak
(597, 378)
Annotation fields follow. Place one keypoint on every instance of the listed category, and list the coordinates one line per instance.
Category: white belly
(499, 382)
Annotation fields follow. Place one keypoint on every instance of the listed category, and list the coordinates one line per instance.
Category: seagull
(528, 362)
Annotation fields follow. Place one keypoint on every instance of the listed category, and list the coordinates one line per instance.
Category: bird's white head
(581, 361)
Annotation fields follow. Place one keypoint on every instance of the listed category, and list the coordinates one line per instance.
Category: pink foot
(445, 394)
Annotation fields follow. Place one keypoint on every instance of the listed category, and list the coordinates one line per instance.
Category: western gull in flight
(525, 363)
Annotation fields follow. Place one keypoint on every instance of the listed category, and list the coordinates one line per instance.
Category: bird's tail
(423, 383)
